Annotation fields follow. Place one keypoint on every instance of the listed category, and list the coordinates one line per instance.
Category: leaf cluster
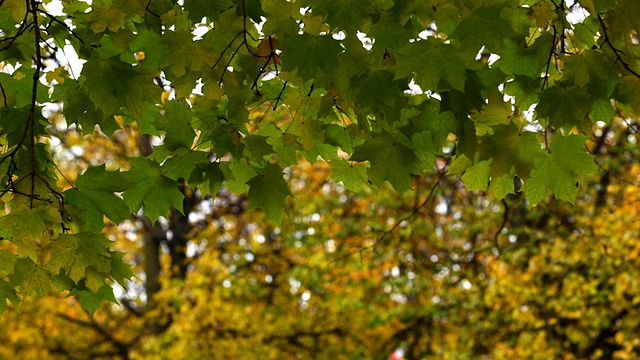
(506, 93)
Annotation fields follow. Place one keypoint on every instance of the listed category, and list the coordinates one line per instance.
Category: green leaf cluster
(236, 92)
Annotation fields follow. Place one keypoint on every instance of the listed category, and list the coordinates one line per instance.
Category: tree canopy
(115, 111)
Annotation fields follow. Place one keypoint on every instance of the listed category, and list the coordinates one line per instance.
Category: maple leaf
(269, 191)
(430, 60)
(496, 112)
(484, 27)
(153, 191)
(27, 228)
(102, 17)
(563, 107)
(176, 124)
(34, 279)
(7, 262)
(582, 67)
(510, 152)
(90, 300)
(519, 60)
(7, 292)
(425, 148)
(16, 9)
(149, 42)
(343, 14)
(311, 55)
(628, 93)
(120, 270)
(559, 171)
(353, 176)
(476, 177)
(74, 253)
(95, 195)
(391, 159)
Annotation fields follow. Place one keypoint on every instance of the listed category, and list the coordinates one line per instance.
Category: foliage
(236, 94)
(442, 272)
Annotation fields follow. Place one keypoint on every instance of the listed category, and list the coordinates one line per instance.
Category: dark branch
(149, 11)
(4, 95)
(24, 26)
(53, 19)
(615, 50)
(284, 86)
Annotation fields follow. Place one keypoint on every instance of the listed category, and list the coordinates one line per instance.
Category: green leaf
(207, 177)
(90, 301)
(120, 270)
(183, 162)
(560, 170)
(269, 191)
(111, 85)
(93, 279)
(7, 292)
(17, 9)
(425, 148)
(309, 132)
(496, 112)
(476, 177)
(7, 262)
(485, 27)
(459, 164)
(503, 185)
(511, 151)
(352, 175)
(342, 136)
(95, 196)
(312, 56)
(153, 191)
(563, 106)
(342, 14)
(72, 254)
(152, 45)
(519, 60)
(628, 93)
(237, 174)
(176, 125)
(391, 159)
(34, 279)
(428, 61)
(27, 228)
(252, 8)
(581, 67)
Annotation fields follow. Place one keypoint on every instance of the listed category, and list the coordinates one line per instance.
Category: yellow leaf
(17, 8)
(543, 13)
(58, 74)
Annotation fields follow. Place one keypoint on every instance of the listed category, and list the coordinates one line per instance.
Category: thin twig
(225, 50)
(414, 212)
(615, 50)
(545, 82)
(58, 21)
(151, 12)
(284, 86)
(245, 42)
(226, 67)
(4, 95)
(23, 27)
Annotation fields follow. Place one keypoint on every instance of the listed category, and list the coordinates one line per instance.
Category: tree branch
(615, 50)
